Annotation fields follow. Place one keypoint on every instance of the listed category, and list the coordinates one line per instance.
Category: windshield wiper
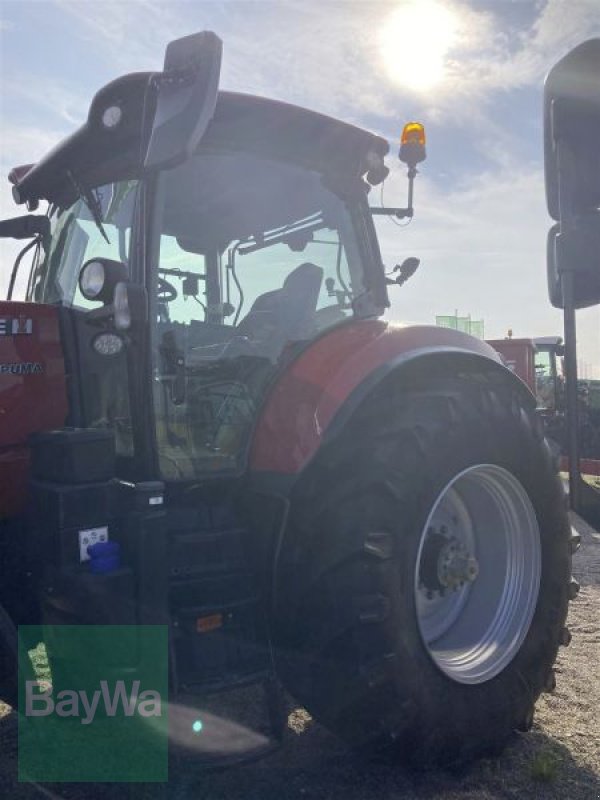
(90, 198)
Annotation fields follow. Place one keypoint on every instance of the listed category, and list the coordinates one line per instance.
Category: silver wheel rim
(477, 574)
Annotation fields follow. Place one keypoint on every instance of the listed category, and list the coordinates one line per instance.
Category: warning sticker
(91, 536)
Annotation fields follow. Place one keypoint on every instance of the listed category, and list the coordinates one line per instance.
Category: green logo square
(93, 702)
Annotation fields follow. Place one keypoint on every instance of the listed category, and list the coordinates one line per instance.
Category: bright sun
(414, 41)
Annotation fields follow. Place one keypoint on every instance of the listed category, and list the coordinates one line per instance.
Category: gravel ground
(558, 760)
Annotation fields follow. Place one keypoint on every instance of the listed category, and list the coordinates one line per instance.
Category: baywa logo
(84, 705)
(93, 701)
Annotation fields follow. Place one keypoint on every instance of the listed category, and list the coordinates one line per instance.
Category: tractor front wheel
(422, 583)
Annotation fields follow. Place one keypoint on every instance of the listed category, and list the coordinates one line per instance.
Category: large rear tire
(422, 583)
(9, 660)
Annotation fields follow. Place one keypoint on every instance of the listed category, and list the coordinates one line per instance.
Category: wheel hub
(477, 574)
(456, 566)
(446, 563)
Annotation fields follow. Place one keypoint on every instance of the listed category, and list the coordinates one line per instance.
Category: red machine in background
(539, 363)
(519, 356)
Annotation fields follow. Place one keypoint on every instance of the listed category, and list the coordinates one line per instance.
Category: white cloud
(482, 244)
(328, 55)
(55, 100)
(493, 61)
(22, 144)
(132, 35)
(19, 144)
(483, 252)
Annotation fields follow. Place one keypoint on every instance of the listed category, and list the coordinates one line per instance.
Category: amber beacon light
(412, 144)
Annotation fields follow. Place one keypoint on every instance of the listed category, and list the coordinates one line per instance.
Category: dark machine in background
(572, 164)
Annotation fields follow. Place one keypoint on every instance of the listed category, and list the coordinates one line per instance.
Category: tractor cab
(255, 258)
(187, 288)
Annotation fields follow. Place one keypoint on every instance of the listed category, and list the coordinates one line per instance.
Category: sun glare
(414, 42)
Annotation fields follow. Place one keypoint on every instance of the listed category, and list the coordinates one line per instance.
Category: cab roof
(259, 125)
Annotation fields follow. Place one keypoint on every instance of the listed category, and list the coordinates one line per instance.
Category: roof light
(412, 144)
(111, 117)
(413, 132)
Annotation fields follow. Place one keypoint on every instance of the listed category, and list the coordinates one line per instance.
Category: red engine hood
(33, 393)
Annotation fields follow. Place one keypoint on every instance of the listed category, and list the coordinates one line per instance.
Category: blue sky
(471, 71)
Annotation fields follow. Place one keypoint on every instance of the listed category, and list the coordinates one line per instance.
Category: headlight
(108, 344)
(92, 279)
(98, 278)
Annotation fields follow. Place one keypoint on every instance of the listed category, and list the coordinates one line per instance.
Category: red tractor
(538, 362)
(200, 378)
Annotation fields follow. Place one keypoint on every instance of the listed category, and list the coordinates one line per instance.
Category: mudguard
(310, 402)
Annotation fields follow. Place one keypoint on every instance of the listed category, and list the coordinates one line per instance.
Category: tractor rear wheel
(8, 660)
(422, 583)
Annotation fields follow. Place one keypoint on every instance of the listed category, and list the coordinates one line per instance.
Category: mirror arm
(99, 315)
(565, 159)
(17, 264)
(25, 227)
(399, 213)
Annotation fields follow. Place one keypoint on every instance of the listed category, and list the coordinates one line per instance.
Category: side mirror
(576, 250)
(186, 99)
(25, 227)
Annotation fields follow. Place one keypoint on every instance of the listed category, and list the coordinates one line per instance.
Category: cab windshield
(256, 258)
(76, 238)
(104, 382)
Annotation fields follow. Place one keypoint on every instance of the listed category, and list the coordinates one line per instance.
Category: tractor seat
(275, 318)
(285, 314)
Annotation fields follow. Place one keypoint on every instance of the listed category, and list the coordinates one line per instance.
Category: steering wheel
(165, 291)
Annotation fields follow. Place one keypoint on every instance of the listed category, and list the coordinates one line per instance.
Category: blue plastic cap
(103, 549)
(104, 557)
(100, 566)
